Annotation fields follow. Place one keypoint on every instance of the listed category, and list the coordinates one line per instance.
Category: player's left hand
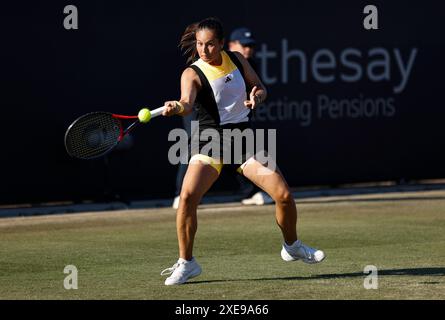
(254, 99)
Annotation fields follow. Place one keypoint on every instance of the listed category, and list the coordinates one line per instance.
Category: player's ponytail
(188, 43)
(188, 39)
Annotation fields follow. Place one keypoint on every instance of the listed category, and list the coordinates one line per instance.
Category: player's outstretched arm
(189, 89)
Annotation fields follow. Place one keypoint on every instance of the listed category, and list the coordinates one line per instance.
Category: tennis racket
(95, 134)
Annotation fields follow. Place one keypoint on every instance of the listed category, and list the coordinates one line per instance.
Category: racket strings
(93, 135)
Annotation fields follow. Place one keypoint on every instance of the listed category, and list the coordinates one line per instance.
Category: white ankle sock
(184, 260)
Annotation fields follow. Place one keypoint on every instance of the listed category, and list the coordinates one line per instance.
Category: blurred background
(349, 105)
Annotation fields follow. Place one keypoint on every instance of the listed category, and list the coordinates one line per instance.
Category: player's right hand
(171, 108)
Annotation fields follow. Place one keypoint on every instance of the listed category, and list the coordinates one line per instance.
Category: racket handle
(157, 112)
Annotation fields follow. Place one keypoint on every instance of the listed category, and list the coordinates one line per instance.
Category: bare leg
(276, 186)
(197, 181)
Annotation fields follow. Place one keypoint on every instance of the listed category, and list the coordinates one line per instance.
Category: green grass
(119, 255)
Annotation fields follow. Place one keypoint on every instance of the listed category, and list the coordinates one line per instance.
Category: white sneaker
(182, 271)
(260, 198)
(298, 251)
(175, 204)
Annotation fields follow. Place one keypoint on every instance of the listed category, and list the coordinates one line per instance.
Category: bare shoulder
(190, 75)
(237, 54)
(240, 57)
(244, 62)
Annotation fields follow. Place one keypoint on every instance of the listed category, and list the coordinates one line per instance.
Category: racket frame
(155, 113)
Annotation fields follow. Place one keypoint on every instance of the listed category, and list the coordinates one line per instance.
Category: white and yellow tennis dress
(220, 102)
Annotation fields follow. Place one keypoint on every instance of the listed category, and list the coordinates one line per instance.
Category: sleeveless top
(220, 101)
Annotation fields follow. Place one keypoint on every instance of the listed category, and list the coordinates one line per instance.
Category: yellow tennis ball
(144, 115)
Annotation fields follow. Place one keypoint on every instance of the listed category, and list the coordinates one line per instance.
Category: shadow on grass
(394, 199)
(437, 272)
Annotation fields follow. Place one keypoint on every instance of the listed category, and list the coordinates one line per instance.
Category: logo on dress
(228, 78)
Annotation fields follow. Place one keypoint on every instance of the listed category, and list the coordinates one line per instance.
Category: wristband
(181, 107)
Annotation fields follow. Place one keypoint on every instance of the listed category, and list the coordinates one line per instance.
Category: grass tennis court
(119, 255)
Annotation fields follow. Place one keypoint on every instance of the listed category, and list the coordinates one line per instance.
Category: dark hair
(188, 39)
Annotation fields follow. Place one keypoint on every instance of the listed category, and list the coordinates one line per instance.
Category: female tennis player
(224, 88)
